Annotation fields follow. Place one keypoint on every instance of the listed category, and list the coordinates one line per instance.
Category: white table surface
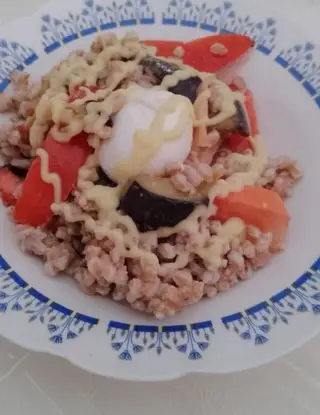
(35, 384)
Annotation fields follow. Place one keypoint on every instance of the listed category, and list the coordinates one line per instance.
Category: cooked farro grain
(179, 52)
(218, 49)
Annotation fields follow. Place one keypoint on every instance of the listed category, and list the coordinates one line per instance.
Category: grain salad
(140, 174)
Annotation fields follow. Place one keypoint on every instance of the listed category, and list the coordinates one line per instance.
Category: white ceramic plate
(255, 322)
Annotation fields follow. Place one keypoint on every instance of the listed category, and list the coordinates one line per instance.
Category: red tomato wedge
(165, 48)
(256, 206)
(237, 143)
(199, 55)
(10, 185)
(34, 206)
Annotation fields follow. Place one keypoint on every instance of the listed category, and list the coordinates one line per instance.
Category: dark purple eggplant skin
(187, 88)
(160, 68)
(18, 171)
(150, 211)
(104, 179)
(242, 121)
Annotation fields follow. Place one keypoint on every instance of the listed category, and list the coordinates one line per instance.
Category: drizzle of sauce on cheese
(147, 143)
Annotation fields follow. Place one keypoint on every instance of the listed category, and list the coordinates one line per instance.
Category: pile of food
(135, 170)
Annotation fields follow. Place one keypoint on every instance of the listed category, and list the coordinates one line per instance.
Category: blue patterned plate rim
(254, 324)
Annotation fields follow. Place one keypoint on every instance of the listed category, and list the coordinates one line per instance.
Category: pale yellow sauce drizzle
(203, 96)
(126, 243)
(201, 108)
(237, 181)
(181, 262)
(86, 171)
(189, 225)
(50, 178)
(102, 94)
(228, 108)
(170, 81)
(75, 70)
(213, 252)
(106, 198)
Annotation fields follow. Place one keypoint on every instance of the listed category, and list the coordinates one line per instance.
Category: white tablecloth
(38, 384)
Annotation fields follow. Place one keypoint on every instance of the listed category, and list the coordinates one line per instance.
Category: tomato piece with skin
(198, 52)
(256, 206)
(10, 186)
(237, 143)
(34, 205)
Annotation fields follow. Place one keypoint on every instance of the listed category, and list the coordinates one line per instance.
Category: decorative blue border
(297, 60)
(191, 339)
(16, 295)
(300, 63)
(221, 19)
(13, 56)
(93, 18)
(254, 323)
(301, 297)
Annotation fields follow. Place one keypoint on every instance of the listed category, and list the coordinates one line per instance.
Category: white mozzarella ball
(138, 113)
